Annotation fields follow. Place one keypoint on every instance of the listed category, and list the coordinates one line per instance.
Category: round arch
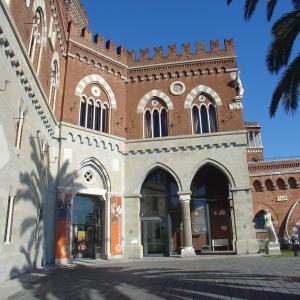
(151, 94)
(215, 164)
(95, 78)
(41, 4)
(151, 168)
(201, 89)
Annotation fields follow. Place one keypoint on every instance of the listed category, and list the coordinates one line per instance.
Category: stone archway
(211, 211)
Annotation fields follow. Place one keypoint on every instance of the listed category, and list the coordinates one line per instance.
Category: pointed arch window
(148, 129)
(98, 116)
(212, 119)
(156, 122)
(204, 118)
(94, 114)
(54, 84)
(196, 119)
(105, 118)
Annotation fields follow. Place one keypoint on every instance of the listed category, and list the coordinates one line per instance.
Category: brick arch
(151, 94)
(95, 78)
(41, 4)
(199, 89)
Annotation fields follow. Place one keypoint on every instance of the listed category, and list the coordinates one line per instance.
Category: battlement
(97, 42)
(185, 54)
(121, 54)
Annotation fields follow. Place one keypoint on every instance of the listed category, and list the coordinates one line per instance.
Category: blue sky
(139, 24)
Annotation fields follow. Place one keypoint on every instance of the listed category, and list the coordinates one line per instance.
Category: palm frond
(285, 32)
(270, 8)
(250, 6)
(287, 90)
(296, 4)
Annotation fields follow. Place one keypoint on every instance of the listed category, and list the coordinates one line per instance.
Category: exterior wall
(278, 201)
(26, 173)
(183, 157)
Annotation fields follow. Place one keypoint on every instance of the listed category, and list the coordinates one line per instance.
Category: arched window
(98, 116)
(269, 185)
(292, 183)
(204, 119)
(54, 83)
(156, 126)
(204, 115)
(35, 45)
(94, 115)
(196, 119)
(281, 184)
(148, 130)
(257, 186)
(105, 118)
(259, 220)
(82, 112)
(213, 119)
(164, 122)
(156, 119)
(90, 114)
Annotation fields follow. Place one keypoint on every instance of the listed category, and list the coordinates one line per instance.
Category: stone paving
(202, 277)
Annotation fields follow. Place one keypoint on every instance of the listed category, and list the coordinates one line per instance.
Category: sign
(281, 198)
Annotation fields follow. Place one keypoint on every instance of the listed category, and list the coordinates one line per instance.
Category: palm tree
(284, 33)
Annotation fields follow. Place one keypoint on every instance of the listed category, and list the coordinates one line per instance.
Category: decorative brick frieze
(75, 134)
(187, 143)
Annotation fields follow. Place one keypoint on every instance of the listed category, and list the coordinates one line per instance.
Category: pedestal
(273, 249)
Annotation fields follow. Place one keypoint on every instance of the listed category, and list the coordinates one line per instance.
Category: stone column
(187, 250)
(107, 226)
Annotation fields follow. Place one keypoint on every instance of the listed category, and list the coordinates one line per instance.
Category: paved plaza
(202, 277)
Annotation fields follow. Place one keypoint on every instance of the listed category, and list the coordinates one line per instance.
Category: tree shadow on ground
(135, 281)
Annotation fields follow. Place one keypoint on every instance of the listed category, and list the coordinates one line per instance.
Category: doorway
(87, 227)
(211, 211)
(160, 215)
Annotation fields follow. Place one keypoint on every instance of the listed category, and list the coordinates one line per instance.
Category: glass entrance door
(154, 237)
(86, 227)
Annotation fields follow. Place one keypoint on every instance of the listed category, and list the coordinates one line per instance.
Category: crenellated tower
(76, 13)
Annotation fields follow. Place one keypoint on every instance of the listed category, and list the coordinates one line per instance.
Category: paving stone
(209, 277)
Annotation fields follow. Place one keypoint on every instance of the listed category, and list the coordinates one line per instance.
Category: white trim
(95, 78)
(152, 94)
(198, 90)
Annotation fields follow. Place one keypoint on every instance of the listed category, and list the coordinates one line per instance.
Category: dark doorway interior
(211, 211)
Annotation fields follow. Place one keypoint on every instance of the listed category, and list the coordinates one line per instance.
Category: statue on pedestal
(273, 245)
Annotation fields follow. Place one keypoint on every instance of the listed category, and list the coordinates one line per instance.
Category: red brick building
(128, 155)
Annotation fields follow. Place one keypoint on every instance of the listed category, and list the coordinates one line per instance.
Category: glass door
(154, 237)
(86, 227)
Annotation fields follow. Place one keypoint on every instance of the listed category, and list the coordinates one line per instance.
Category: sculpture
(270, 227)
(238, 86)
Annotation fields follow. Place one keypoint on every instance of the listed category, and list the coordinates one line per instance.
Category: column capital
(184, 196)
